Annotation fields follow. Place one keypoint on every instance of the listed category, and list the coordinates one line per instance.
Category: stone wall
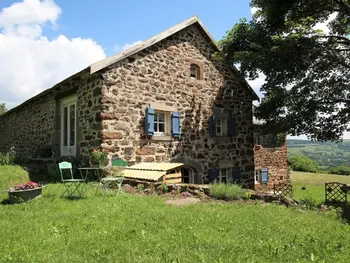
(159, 75)
(270, 152)
(30, 127)
(34, 127)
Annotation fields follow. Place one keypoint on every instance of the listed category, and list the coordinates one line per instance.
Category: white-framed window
(68, 126)
(257, 139)
(257, 175)
(160, 123)
(187, 176)
(219, 127)
(194, 71)
(224, 175)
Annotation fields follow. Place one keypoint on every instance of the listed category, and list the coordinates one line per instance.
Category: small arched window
(194, 71)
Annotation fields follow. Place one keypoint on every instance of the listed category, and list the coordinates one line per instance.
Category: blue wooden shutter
(264, 175)
(212, 125)
(231, 127)
(149, 122)
(213, 173)
(175, 124)
(236, 175)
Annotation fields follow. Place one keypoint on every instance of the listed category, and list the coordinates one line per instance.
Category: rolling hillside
(326, 154)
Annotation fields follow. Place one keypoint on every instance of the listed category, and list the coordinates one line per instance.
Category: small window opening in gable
(194, 71)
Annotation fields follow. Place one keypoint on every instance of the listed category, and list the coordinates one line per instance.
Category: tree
(302, 163)
(307, 88)
(2, 108)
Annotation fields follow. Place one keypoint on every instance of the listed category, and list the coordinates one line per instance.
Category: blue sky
(111, 22)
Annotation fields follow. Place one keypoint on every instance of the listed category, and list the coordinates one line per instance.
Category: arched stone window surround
(196, 65)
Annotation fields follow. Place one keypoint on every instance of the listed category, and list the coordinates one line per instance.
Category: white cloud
(30, 62)
(29, 12)
(119, 48)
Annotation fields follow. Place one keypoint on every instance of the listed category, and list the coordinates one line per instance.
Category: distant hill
(326, 154)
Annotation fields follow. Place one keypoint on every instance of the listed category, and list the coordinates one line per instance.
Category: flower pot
(16, 196)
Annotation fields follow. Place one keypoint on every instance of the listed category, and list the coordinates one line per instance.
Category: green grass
(315, 184)
(130, 228)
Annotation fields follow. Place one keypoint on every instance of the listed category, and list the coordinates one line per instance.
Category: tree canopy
(307, 69)
(2, 108)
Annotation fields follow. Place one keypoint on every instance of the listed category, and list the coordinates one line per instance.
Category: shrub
(341, 170)
(140, 187)
(227, 191)
(308, 201)
(8, 158)
(162, 188)
(302, 163)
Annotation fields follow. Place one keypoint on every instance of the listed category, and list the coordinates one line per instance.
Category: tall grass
(12, 175)
(8, 158)
(227, 191)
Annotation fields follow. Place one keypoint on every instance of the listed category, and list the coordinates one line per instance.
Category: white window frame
(194, 68)
(219, 123)
(257, 139)
(257, 175)
(222, 175)
(156, 123)
(190, 176)
(68, 150)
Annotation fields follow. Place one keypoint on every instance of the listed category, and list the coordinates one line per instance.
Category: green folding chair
(72, 185)
(115, 177)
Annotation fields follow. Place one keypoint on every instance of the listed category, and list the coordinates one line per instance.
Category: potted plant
(24, 192)
(99, 156)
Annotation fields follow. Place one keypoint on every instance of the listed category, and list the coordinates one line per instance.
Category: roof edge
(149, 42)
(157, 38)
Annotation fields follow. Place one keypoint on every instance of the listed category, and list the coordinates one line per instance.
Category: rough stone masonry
(160, 75)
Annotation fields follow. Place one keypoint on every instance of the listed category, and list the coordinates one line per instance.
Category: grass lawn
(129, 228)
(315, 184)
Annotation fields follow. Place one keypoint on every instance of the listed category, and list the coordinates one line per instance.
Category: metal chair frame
(72, 185)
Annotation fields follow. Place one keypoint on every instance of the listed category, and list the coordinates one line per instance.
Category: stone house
(166, 99)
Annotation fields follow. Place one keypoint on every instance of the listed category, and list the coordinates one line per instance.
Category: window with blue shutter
(213, 174)
(175, 124)
(212, 125)
(264, 175)
(231, 127)
(149, 122)
(236, 175)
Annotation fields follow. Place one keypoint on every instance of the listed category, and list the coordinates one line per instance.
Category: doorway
(68, 126)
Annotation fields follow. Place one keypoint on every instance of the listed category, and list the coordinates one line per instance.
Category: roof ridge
(97, 66)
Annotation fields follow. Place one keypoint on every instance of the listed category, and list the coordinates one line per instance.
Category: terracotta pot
(24, 195)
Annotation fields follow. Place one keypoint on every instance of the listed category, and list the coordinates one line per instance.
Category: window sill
(195, 81)
(222, 137)
(162, 138)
